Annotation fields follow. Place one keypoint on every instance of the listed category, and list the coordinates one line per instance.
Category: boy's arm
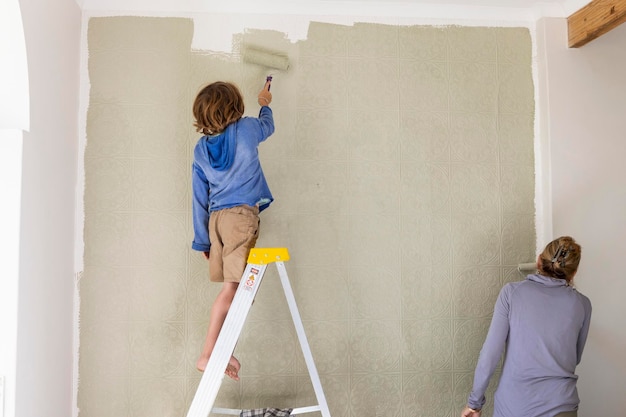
(200, 210)
(266, 122)
(266, 117)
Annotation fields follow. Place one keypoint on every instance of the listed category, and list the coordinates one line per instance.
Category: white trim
(449, 10)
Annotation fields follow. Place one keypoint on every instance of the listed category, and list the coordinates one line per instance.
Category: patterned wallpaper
(403, 171)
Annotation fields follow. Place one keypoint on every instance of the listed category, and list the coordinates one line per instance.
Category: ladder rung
(237, 411)
(303, 410)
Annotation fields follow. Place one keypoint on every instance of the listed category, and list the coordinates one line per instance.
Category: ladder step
(262, 256)
(237, 411)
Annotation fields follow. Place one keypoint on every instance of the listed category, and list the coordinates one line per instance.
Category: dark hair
(216, 106)
(560, 259)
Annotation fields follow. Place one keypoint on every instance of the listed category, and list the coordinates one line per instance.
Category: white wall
(586, 120)
(14, 117)
(10, 172)
(46, 286)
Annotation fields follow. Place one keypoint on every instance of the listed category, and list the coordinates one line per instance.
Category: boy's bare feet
(232, 369)
(201, 364)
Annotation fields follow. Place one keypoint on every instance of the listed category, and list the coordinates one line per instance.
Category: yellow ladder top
(262, 256)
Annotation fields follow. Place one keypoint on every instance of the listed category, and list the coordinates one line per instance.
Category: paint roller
(527, 268)
(266, 58)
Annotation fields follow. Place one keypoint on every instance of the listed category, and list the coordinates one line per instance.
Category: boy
(229, 191)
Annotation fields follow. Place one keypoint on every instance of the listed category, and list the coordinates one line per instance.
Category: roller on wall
(527, 268)
(266, 58)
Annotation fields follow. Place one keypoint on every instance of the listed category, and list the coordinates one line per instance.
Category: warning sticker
(249, 285)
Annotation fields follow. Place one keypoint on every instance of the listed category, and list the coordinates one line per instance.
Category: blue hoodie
(227, 172)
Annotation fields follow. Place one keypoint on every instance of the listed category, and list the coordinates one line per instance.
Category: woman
(543, 322)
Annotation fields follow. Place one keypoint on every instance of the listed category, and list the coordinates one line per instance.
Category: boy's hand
(265, 97)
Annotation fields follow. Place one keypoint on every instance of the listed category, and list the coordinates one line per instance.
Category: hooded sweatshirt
(226, 172)
(543, 323)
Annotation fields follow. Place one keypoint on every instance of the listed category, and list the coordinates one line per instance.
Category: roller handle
(268, 80)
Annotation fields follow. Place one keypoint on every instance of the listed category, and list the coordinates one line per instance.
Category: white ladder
(211, 381)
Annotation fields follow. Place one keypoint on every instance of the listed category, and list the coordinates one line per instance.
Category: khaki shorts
(233, 232)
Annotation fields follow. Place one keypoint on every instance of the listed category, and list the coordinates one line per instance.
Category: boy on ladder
(229, 192)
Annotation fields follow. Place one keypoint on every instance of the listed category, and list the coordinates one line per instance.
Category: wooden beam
(594, 20)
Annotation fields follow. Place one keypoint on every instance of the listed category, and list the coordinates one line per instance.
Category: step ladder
(211, 380)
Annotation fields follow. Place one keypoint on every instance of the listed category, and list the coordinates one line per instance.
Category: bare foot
(232, 370)
(201, 364)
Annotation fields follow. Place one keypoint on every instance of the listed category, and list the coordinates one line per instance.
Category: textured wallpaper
(403, 171)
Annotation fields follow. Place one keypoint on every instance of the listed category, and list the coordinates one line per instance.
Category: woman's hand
(470, 412)
(265, 97)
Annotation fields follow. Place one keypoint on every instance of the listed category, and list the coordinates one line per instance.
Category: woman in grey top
(543, 323)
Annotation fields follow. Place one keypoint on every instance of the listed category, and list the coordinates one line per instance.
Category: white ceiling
(439, 9)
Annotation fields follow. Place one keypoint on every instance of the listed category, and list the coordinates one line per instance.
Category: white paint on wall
(543, 196)
(79, 214)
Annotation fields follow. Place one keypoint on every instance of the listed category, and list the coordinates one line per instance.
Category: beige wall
(585, 121)
(403, 171)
